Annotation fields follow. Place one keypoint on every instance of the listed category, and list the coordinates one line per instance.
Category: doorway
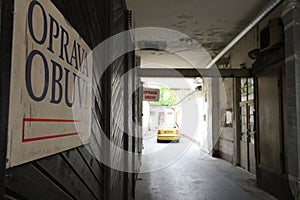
(247, 126)
(247, 144)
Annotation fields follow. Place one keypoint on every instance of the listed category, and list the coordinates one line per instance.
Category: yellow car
(168, 132)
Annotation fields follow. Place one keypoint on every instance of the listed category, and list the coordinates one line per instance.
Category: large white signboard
(50, 96)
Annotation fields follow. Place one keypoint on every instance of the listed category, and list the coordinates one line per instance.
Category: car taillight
(177, 131)
(158, 132)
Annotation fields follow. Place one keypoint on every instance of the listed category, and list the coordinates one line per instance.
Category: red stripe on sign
(50, 136)
(49, 120)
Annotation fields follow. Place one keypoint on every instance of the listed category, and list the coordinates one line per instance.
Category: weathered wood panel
(59, 169)
(120, 104)
(39, 185)
(77, 173)
(74, 174)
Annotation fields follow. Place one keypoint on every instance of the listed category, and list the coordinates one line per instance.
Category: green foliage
(167, 98)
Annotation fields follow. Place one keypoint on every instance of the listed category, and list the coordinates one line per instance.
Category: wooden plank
(106, 81)
(119, 105)
(126, 131)
(30, 183)
(93, 163)
(96, 139)
(59, 170)
(107, 89)
(117, 179)
(60, 5)
(91, 20)
(81, 21)
(95, 23)
(6, 30)
(134, 104)
(78, 164)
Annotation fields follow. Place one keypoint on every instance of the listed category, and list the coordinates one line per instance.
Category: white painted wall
(146, 116)
(168, 116)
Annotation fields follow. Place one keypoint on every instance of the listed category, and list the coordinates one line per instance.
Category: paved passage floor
(192, 176)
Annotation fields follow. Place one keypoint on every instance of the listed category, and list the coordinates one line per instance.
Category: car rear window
(168, 126)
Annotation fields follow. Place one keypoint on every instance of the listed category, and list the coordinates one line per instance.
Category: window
(247, 89)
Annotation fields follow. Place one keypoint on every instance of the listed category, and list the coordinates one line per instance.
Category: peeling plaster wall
(239, 53)
(227, 137)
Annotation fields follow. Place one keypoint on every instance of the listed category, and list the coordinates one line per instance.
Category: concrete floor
(193, 176)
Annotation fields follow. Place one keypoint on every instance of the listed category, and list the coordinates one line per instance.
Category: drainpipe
(269, 7)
